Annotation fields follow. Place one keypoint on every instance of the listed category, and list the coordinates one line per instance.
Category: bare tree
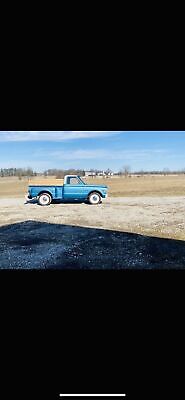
(108, 171)
(125, 170)
(166, 171)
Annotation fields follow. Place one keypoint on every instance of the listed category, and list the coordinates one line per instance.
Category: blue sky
(101, 150)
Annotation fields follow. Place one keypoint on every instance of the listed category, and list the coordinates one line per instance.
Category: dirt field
(139, 232)
(118, 187)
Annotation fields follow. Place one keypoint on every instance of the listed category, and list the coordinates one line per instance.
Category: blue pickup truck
(74, 188)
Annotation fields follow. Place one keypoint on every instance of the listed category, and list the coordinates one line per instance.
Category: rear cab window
(73, 181)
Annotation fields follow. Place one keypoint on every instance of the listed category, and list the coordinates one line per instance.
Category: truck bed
(46, 182)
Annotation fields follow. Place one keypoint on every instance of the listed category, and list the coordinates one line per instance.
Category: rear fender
(45, 191)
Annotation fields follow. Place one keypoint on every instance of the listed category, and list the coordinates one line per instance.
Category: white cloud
(24, 136)
(78, 154)
(129, 155)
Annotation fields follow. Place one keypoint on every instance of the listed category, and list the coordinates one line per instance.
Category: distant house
(110, 173)
(101, 173)
(98, 173)
(90, 173)
(105, 173)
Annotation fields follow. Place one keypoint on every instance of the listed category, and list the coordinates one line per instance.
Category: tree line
(126, 171)
(29, 172)
(60, 173)
(19, 172)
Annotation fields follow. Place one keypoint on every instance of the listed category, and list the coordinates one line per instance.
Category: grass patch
(118, 187)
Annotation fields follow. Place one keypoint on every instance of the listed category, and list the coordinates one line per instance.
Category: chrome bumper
(27, 196)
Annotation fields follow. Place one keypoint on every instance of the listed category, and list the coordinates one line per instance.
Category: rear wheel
(44, 199)
(94, 198)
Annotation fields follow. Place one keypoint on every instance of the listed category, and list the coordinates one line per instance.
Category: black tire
(44, 199)
(94, 198)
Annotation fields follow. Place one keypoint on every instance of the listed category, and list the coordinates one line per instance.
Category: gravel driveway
(140, 232)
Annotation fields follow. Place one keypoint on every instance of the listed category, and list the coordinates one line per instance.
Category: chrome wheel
(44, 199)
(94, 198)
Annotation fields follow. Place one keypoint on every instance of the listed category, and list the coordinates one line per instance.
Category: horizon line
(92, 395)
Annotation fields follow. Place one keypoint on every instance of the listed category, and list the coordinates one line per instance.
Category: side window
(73, 181)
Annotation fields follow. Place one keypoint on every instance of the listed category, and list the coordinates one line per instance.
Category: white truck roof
(70, 176)
(49, 181)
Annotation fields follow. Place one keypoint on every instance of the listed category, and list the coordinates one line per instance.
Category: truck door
(74, 189)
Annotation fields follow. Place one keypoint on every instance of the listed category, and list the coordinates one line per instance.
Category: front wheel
(94, 198)
(44, 199)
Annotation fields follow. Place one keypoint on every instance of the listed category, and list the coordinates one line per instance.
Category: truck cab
(73, 188)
